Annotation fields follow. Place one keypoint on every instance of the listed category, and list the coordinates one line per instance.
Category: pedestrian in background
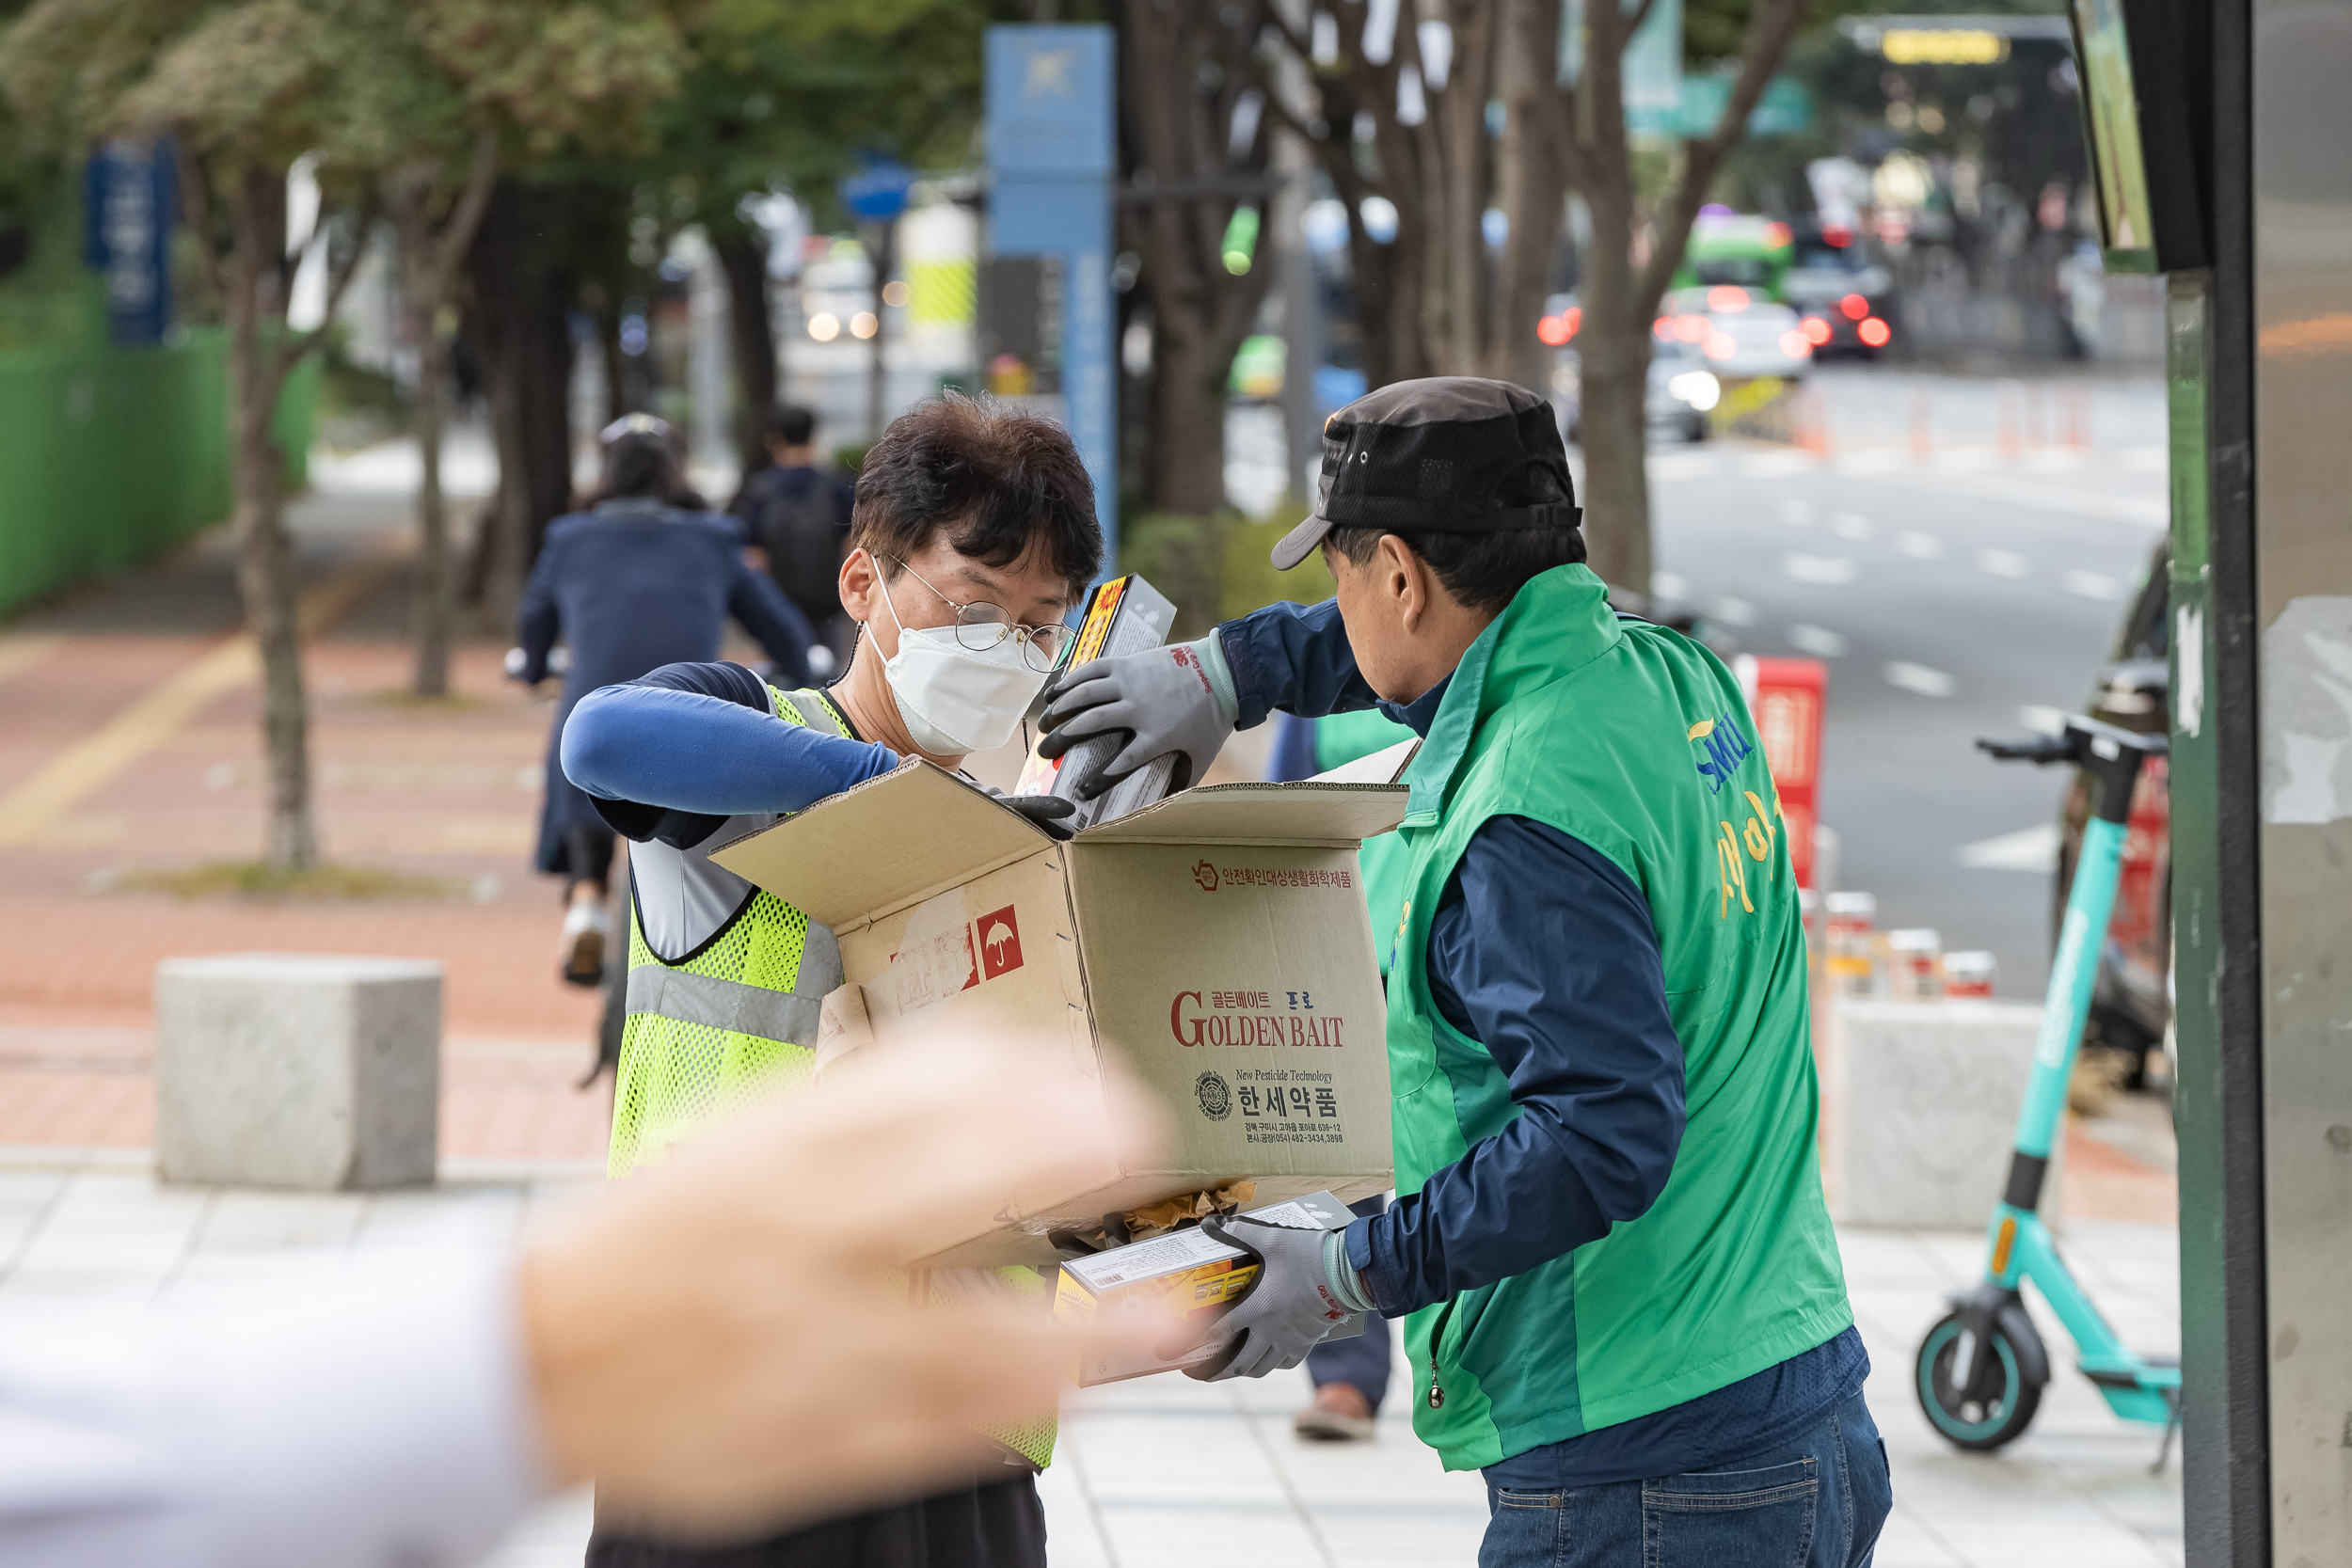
(796, 512)
(631, 584)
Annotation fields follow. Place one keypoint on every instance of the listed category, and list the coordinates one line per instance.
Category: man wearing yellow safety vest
(973, 535)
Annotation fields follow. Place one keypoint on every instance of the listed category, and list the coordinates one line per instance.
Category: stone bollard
(1922, 1107)
(298, 1070)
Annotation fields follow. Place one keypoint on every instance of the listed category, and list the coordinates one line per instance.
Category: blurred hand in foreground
(722, 1344)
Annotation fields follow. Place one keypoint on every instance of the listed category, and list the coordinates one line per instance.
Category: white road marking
(1732, 610)
(2032, 848)
(2004, 563)
(1797, 513)
(1919, 678)
(1851, 525)
(1667, 585)
(2043, 721)
(1819, 641)
(1832, 570)
(2094, 585)
(1920, 547)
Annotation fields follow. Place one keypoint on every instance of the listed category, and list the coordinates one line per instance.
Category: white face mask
(957, 700)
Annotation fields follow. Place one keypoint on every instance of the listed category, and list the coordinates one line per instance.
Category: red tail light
(1815, 330)
(1874, 332)
(1854, 307)
(1793, 344)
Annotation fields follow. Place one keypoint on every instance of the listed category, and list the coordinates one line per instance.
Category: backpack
(801, 533)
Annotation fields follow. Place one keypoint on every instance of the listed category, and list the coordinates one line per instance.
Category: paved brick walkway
(129, 742)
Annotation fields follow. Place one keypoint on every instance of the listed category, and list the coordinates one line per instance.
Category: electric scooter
(1983, 1367)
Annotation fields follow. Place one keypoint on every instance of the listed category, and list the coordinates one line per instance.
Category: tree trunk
(521, 287)
(751, 337)
(1177, 132)
(1532, 188)
(437, 594)
(434, 608)
(1615, 358)
(1188, 445)
(266, 577)
(886, 254)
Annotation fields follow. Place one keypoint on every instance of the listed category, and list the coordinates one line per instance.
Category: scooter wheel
(1965, 1421)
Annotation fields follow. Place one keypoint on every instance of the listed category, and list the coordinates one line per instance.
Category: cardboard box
(1124, 615)
(1215, 944)
(1188, 1273)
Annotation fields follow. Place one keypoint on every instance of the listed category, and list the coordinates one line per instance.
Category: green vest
(1343, 737)
(1637, 742)
(740, 1012)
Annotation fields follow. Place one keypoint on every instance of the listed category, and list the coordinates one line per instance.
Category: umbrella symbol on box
(1000, 943)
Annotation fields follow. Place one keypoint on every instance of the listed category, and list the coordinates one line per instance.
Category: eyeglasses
(980, 625)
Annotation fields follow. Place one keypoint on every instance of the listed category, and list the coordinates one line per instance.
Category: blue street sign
(1052, 156)
(127, 217)
(878, 190)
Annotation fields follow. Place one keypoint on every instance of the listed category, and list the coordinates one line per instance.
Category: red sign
(1788, 697)
(1000, 943)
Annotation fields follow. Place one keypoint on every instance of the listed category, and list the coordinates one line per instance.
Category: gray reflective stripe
(814, 713)
(820, 963)
(706, 999)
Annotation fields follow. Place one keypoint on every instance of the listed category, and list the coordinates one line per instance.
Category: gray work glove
(1287, 1309)
(1161, 699)
(1045, 812)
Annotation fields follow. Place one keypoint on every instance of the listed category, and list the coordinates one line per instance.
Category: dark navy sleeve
(775, 623)
(541, 620)
(1295, 657)
(1568, 996)
(672, 756)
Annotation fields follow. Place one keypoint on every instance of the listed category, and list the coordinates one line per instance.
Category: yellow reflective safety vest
(740, 1012)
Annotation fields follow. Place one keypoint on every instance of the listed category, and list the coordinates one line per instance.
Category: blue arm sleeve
(1295, 657)
(774, 622)
(540, 619)
(685, 751)
(1568, 996)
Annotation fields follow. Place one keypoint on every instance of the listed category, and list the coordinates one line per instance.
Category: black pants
(999, 1526)
(588, 855)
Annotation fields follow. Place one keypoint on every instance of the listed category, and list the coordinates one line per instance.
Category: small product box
(1188, 1274)
(1214, 945)
(1124, 615)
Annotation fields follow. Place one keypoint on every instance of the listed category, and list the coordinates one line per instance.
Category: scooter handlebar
(2039, 750)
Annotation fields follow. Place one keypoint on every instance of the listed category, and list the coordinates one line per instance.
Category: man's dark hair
(1483, 571)
(639, 465)
(788, 424)
(997, 481)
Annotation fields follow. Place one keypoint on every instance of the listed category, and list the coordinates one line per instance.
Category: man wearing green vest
(1622, 1299)
(973, 535)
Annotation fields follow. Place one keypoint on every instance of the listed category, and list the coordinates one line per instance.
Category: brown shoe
(1341, 1414)
(585, 927)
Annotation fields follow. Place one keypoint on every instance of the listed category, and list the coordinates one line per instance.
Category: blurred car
(1741, 334)
(1683, 387)
(2131, 1006)
(1842, 298)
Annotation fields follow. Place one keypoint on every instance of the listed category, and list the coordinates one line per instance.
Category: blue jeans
(1816, 1501)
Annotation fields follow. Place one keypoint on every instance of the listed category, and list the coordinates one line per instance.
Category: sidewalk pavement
(1161, 1471)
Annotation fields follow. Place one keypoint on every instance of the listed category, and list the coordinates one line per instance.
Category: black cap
(1432, 456)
